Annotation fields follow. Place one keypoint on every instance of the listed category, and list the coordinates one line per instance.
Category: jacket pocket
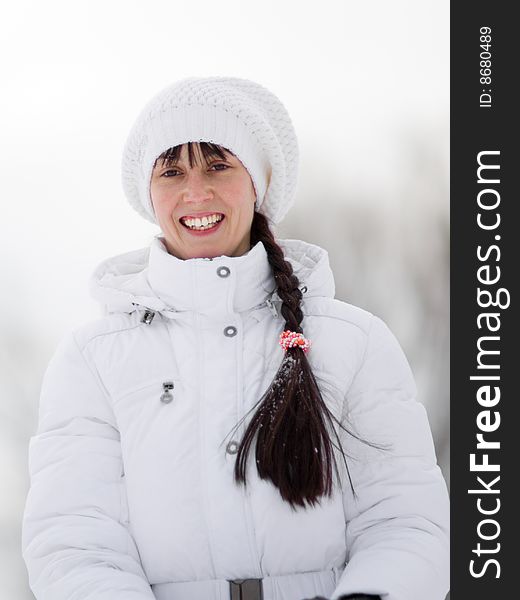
(138, 406)
(146, 386)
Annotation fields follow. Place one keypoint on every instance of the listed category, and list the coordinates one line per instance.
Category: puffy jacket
(132, 494)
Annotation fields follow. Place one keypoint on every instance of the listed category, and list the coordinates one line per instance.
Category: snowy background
(367, 87)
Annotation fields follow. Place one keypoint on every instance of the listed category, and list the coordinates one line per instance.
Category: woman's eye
(165, 174)
(220, 165)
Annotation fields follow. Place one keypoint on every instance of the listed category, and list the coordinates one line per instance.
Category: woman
(229, 430)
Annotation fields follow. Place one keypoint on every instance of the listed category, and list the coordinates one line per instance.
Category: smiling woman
(229, 429)
(205, 204)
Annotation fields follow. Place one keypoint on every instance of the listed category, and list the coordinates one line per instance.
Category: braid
(287, 283)
(293, 449)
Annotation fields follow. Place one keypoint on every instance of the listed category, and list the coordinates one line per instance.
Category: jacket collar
(151, 278)
(222, 284)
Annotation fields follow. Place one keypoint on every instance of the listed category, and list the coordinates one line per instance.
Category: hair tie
(291, 339)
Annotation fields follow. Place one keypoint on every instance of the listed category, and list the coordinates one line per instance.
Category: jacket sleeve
(397, 524)
(75, 541)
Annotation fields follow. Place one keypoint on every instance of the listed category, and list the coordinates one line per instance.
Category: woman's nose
(197, 188)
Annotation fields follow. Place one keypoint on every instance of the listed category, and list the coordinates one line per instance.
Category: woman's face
(189, 200)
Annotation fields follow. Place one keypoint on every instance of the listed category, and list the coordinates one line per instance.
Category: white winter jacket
(132, 494)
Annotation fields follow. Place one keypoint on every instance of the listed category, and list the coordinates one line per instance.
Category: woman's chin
(203, 251)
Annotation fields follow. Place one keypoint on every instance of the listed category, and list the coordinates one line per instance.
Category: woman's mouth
(198, 225)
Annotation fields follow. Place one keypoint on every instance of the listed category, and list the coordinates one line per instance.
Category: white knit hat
(236, 113)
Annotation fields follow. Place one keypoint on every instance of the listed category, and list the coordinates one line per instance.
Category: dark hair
(208, 150)
(292, 421)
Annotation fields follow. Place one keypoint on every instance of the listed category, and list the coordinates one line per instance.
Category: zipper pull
(167, 396)
(148, 316)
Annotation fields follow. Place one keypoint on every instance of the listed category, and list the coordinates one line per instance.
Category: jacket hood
(152, 278)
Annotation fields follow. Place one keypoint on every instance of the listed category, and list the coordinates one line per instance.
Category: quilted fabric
(132, 494)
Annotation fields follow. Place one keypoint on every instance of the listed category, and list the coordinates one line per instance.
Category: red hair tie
(291, 339)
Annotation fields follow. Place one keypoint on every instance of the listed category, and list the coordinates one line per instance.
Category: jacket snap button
(230, 331)
(223, 271)
(232, 447)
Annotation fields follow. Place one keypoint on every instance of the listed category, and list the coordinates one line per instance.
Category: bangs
(208, 150)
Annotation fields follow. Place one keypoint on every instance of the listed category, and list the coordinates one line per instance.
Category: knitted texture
(236, 113)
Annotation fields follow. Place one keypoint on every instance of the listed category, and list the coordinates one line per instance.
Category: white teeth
(205, 223)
